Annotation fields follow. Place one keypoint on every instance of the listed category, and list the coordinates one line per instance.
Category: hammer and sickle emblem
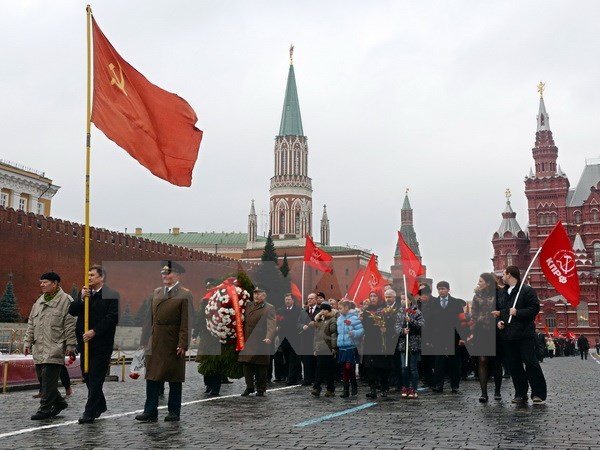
(566, 264)
(120, 82)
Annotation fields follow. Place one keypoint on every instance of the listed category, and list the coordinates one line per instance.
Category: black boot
(354, 386)
(346, 391)
(372, 394)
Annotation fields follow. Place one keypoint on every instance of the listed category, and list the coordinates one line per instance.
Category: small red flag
(315, 257)
(411, 266)
(296, 292)
(558, 264)
(369, 280)
(569, 335)
(557, 333)
(154, 126)
(546, 330)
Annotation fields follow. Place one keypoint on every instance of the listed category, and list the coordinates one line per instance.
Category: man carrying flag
(519, 336)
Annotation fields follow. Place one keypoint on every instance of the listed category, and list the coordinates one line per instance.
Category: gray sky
(437, 96)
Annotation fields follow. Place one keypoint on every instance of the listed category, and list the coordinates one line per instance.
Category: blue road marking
(337, 414)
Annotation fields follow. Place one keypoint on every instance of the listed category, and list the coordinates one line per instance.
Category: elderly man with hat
(51, 332)
(260, 325)
(165, 338)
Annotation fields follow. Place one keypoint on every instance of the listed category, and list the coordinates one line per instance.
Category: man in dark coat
(166, 338)
(103, 319)
(584, 346)
(260, 325)
(519, 336)
(442, 319)
(290, 342)
(306, 328)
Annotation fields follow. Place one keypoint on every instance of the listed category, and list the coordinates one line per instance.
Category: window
(297, 223)
(594, 215)
(281, 222)
(4, 199)
(296, 163)
(509, 259)
(577, 217)
(597, 253)
(550, 321)
(583, 317)
(284, 161)
(40, 208)
(22, 204)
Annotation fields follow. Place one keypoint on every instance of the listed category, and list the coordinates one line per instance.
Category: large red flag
(315, 257)
(411, 266)
(370, 280)
(558, 264)
(355, 284)
(154, 126)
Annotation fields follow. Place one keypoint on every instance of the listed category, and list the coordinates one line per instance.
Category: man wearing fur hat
(165, 338)
(51, 332)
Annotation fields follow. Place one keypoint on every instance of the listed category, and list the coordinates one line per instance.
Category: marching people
(379, 343)
(483, 341)
(103, 318)
(584, 346)
(410, 321)
(325, 349)
(260, 325)
(519, 336)
(350, 331)
(290, 340)
(49, 337)
(550, 346)
(165, 338)
(306, 328)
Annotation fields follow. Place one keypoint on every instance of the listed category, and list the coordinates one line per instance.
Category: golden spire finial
(507, 193)
(291, 54)
(540, 87)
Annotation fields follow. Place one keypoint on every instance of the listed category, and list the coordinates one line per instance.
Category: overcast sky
(436, 96)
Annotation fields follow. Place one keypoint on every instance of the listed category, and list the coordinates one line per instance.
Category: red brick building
(550, 198)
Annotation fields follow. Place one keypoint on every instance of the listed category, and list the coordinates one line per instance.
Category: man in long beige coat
(51, 332)
(165, 338)
(260, 324)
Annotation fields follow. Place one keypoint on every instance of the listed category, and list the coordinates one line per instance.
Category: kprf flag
(154, 126)
(371, 280)
(556, 333)
(411, 266)
(315, 257)
(559, 265)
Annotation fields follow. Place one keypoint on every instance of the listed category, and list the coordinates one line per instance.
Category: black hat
(326, 306)
(51, 276)
(171, 266)
(320, 294)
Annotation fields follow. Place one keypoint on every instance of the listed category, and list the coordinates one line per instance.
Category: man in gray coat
(51, 333)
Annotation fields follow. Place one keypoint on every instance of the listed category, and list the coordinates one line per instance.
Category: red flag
(355, 284)
(546, 330)
(154, 126)
(369, 280)
(558, 264)
(569, 335)
(315, 257)
(411, 266)
(296, 292)
(557, 333)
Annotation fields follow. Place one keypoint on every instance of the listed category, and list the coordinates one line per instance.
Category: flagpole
(302, 299)
(86, 256)
(359, 285)
(523, 280)
(406, 297)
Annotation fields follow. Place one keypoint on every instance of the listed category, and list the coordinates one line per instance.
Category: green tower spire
(291, 122)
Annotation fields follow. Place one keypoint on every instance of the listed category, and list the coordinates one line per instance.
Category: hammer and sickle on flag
(115, 78)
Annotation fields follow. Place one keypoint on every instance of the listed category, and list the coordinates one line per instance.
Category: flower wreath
(221, 312)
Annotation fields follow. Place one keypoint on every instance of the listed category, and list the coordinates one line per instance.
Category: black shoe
(57, 408)
(146, 417)
(41, 416)
(455, 391)
(86, 419)
(99, 413)
(372, 394)
(171, 418)
(483, 399)
(260, 394)
(214, 393)
(519, 400)
(247, 392)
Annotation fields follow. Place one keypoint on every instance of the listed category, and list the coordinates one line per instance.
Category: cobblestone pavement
(289, 417)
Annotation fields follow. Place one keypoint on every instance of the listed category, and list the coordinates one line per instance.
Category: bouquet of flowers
(222, 311)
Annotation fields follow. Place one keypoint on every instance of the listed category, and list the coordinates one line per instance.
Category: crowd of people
(392, 342)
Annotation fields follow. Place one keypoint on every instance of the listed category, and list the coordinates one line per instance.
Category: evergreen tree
(9, 311)
(142, 313)
(126, 319)
(285, 267)
(269, 253)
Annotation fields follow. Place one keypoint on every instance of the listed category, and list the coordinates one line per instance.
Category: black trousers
(292, 360)
(213, 383)
(446, 365)
(525, 368)
(94, 380)
(426, 366)
(48, 374)
(152, 392)
(309, 363)
(256, 376)
(378, 376)
(325, 372)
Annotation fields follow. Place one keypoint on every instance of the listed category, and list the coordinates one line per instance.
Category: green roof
(194, 238)
(291, 122)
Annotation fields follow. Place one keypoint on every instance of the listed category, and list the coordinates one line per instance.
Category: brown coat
(165, 330)
(260, 323)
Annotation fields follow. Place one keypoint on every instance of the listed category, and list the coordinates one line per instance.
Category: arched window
(553, 218)
(284, 161)
(297, 222)
(594, 215)
(509, 259)
(540, 220)
(550, 321)
(583, 317)
(296, 162)
(282, 222)
(597, 253)
(577, 216)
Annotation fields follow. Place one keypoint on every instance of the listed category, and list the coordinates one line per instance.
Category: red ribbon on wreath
(239, 328)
